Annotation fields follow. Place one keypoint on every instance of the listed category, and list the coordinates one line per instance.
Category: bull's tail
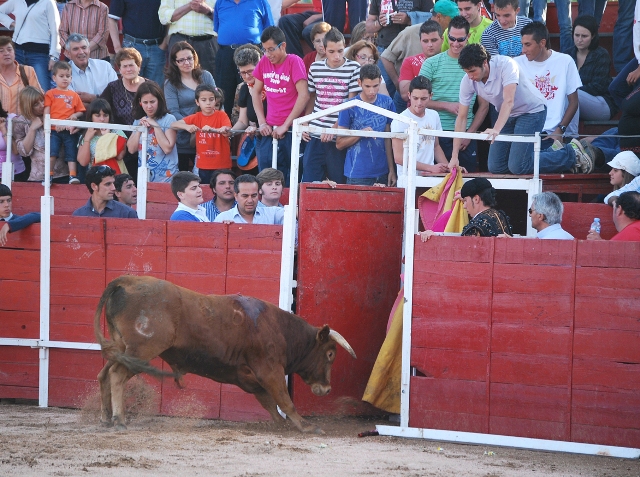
(110, 349)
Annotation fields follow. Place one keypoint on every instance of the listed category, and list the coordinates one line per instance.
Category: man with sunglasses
(284, 80)
(446, 75)
(471, 10)
(101, 184)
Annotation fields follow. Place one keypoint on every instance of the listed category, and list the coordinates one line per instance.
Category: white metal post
(143, 177)
(46, 210)
(288, 231)
(274, 154)
(409, 237)
(7, 165)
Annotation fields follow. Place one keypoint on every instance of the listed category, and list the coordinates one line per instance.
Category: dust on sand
(63, 442)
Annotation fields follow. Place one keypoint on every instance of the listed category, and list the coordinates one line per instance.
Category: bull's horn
(338, 338)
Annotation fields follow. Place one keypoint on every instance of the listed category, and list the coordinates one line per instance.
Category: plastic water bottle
(595, 226)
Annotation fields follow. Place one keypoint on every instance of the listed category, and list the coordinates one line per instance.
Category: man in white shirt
(521, 111)
(89, 77)
(556, 76)
(430, 157)
(246, 210)
(546, 215)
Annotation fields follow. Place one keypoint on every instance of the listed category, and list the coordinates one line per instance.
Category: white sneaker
(584, 160)
(74, 180)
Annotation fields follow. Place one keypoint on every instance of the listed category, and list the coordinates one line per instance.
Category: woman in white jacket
(35, 34)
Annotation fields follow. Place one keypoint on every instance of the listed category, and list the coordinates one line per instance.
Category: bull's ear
(323, 334)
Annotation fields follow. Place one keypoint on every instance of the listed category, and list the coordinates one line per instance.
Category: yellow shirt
(191, 24)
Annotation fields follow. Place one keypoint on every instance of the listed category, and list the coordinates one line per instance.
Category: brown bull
(231, 339)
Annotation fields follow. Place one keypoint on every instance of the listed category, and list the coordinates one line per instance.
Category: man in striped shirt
(222, 181)
(331, 82)
(89, 18)
(445, 75)
(502, 37)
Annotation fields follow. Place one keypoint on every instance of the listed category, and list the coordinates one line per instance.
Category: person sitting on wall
(246, 211)
(221, 185)
(186, 188)
(126, 190)
(626, 218)
(271, 182)
(546, 215)
(10, 221)
(479, 199)
(100, 182)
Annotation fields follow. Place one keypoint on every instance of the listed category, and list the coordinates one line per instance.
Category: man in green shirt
(446, 75)
(471, 10)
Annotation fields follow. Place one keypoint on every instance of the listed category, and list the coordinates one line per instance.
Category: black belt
(235, 46)
(197, 38)
(153, 41)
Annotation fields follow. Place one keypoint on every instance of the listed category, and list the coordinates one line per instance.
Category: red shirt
(212, 149)
(631, 233)
(411, 67)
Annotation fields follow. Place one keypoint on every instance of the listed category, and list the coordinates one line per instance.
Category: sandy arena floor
(64, 442)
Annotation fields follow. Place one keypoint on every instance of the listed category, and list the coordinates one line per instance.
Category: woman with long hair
(28, 133)
(19, 173)
(594, 65)
(151, 111)
(183, 75)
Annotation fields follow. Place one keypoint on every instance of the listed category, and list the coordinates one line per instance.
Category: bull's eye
(330, 355)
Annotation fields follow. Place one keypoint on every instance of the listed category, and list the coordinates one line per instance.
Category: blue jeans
(623, 34)
(400, 103)
(264, 150)
(618, 88)
(293, 27)
(516, 157)
(39, 62)
(368, 181)
(323, 160)
(608, 144)
(335, 13)
(554, 161)
(391, 88)
(153, 60)
(563, 9)
(539, 9)
(595, 8)
(468, 158)
(70, 142)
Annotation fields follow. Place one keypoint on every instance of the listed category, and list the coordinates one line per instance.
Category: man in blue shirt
(221, 184)
(101, 183)
(246, 210)
(10, 222)
(369, 161)
(144, 32)
(237, 22)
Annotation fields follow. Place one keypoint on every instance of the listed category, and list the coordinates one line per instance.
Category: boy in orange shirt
(211, 127)
(63, 103)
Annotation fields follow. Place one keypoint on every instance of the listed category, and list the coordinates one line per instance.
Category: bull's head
(324, 353)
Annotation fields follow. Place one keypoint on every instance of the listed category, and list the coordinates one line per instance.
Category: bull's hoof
(105, 423)
(313, 430)
(119, 425)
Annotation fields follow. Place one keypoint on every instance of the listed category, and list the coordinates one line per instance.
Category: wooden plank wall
(348, 278)
(531, 338)
(87, 253)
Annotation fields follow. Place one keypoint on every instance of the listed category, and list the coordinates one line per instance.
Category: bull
(231, 339)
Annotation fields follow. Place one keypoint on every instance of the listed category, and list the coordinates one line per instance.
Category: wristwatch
(562, 128)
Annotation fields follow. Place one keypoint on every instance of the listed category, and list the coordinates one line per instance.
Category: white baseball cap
(626, 161)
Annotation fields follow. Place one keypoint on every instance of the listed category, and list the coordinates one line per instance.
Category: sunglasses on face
(458, 40)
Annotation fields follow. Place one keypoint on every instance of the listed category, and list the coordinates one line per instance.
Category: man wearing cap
(479, 199)
(628, 163)
(626, 218)
(546, 215)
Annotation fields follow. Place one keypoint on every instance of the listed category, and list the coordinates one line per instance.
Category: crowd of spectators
(198, 72)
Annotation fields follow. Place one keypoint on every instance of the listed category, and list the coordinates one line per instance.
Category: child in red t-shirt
(63, 103)
(211, 127)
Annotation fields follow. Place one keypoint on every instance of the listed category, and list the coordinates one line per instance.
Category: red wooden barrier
(348, 277)
(530, 338)
(578, 217)
(87, 253)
